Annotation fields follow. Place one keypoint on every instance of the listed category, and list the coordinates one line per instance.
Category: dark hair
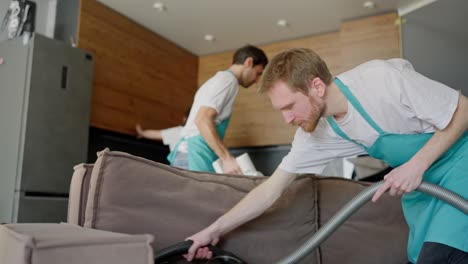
(258, 56)
(187, 112)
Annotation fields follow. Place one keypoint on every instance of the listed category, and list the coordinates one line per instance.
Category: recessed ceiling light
(159, 6)
(368, 5)
(209, 37)
(282, 23)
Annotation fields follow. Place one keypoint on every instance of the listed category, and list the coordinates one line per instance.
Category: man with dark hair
(383, 108)
(249, 51)
(202, 135)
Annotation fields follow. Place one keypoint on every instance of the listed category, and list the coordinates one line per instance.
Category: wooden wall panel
(138, 75)
(365, 39)
(254, 122)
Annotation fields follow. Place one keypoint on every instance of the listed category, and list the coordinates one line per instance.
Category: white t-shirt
(171, 136)
(396, 97)
(219, 93)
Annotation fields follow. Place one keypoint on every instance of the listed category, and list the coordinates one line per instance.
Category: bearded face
(250, 75)
(298, 109)
(317, 108)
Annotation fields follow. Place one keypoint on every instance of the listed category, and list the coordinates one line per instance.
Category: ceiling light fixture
(282, 23)
(368, 5)
(159, 6)
(210, 38)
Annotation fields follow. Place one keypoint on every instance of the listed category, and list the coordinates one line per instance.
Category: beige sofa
(51, 243)
(128, 194)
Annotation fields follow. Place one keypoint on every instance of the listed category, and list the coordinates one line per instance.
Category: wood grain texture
(365, 39)
(142, 77)
(139, 77)
(254, 122)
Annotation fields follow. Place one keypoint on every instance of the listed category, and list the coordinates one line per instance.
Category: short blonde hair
(295, 67)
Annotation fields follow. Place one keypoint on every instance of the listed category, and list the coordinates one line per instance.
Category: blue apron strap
(340, 132)
(345, 90)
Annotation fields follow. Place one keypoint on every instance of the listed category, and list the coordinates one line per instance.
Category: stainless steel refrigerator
(45, 94)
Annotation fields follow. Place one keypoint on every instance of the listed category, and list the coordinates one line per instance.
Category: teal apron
(200, 155)
(429, 219)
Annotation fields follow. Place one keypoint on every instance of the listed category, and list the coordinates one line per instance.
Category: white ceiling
(238, 22)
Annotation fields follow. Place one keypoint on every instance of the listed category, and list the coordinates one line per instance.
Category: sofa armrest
(71, 244)
(79, 188)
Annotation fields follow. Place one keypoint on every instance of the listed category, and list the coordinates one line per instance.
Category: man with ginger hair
(382, 108)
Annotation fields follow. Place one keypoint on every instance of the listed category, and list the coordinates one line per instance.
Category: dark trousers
(436, 253)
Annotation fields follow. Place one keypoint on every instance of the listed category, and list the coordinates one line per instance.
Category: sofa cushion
(376, 233)
(133, 195)
(71, 244)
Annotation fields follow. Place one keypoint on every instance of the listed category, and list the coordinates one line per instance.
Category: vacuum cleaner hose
(357, 202)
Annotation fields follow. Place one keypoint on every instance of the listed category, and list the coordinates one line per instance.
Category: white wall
(66, 22)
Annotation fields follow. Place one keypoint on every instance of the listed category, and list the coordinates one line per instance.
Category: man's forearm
(255, 203)
(209, 133)
(152, 134)
(442, 140)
